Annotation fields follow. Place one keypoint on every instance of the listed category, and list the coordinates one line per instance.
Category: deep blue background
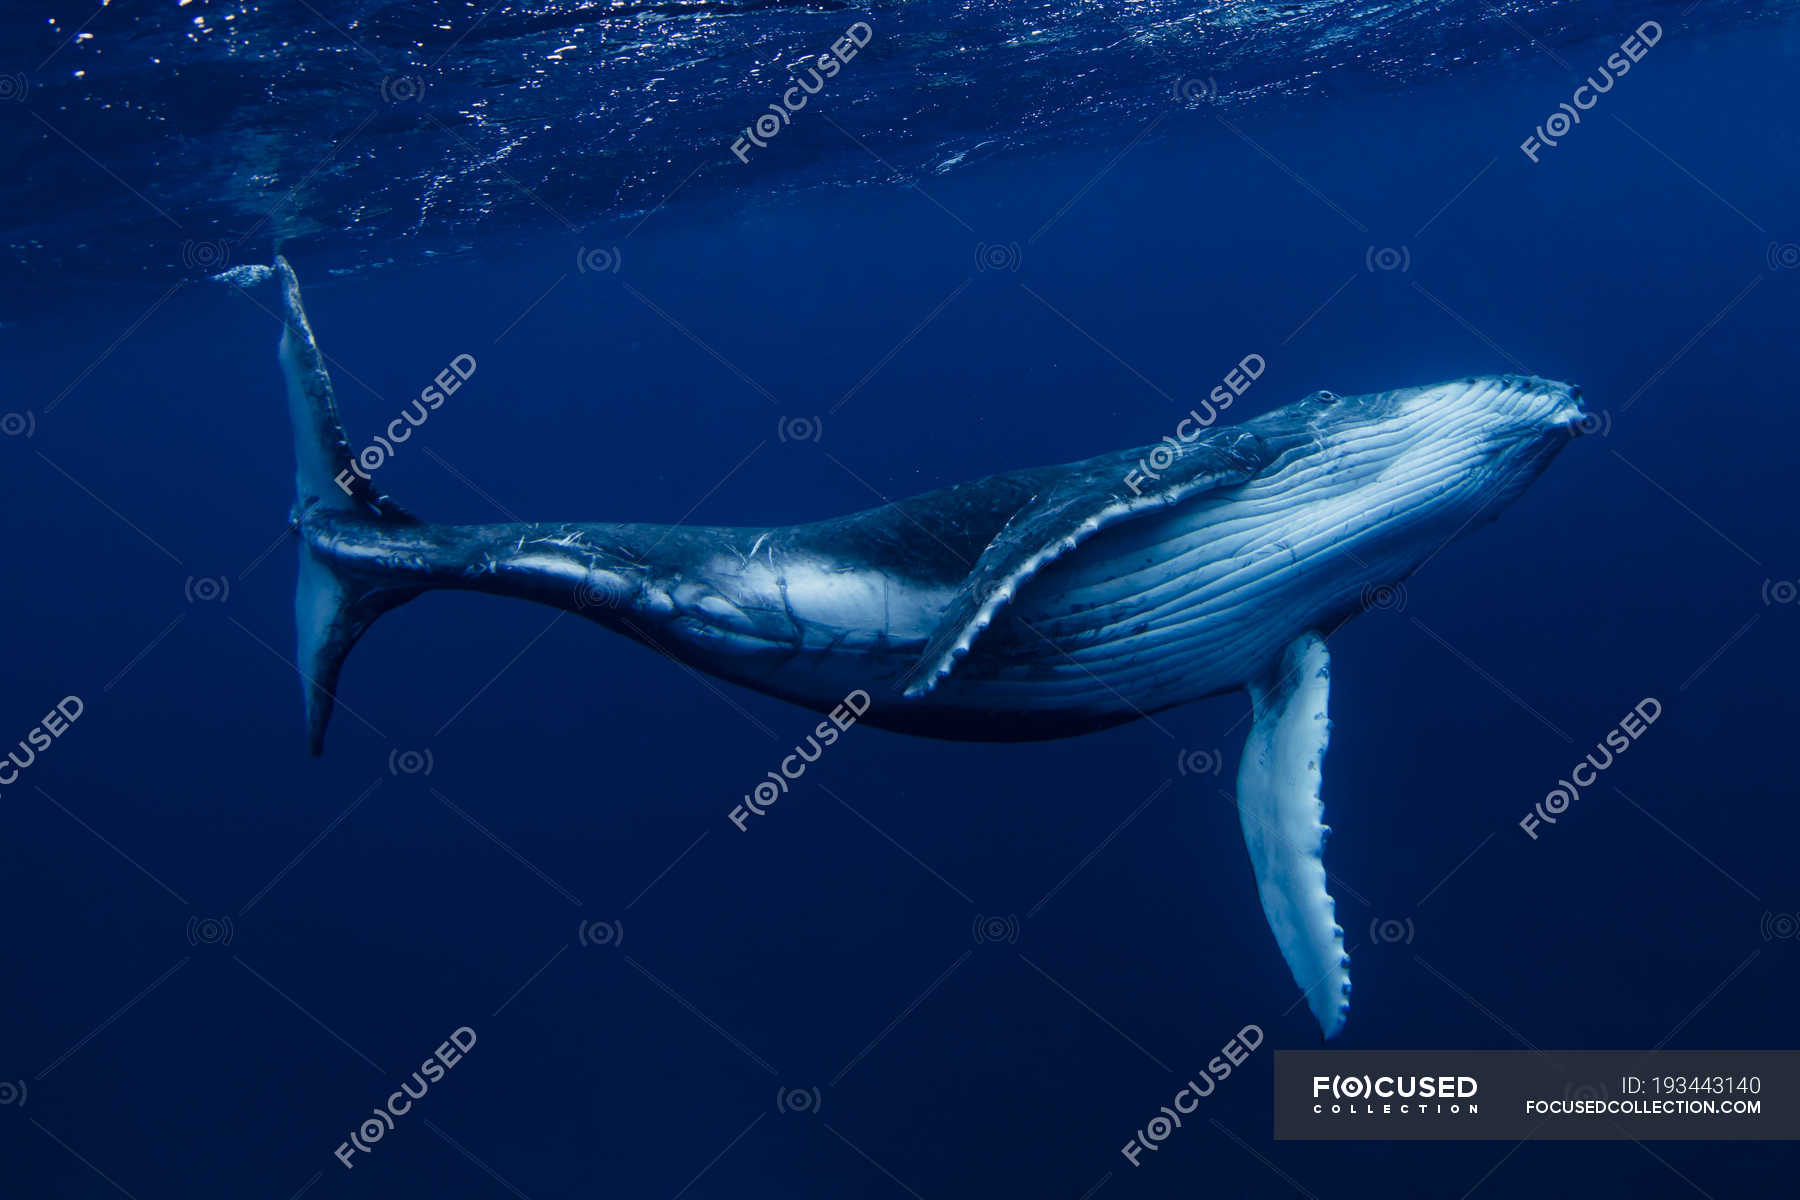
(1618, 576)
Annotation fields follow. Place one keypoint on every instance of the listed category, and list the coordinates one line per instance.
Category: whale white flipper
(1085, 497)
(1280, 810)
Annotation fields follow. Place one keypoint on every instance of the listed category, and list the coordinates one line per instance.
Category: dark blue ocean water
(935, 969)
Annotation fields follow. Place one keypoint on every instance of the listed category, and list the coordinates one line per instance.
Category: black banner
(1558, 1095)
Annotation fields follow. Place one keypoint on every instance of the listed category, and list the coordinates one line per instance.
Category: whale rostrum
(1033, 604)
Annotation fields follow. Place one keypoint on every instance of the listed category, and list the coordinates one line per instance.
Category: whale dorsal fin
(1075, 501)
(1280, 811)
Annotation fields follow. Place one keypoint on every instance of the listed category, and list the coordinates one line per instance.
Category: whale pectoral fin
(1280, 811)
(1086, 497)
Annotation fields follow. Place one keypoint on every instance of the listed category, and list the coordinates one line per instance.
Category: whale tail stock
(333, 607)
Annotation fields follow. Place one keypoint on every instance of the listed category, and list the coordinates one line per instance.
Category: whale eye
(1324, 397)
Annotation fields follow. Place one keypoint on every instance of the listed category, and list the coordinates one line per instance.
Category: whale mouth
(1571, 415)
(1557, 405)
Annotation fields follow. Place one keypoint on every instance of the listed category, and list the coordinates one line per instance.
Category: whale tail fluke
(332, 610)
(333, 605)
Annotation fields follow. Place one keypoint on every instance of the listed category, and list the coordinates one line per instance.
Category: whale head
(1402, 471)
(1499, 431)
(1511, 412)
(1485, 435)
(1515, 402)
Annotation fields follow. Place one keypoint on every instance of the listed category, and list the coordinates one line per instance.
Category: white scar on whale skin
(1038, 603)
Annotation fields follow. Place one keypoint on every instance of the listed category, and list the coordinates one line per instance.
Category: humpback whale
(1033, 604)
